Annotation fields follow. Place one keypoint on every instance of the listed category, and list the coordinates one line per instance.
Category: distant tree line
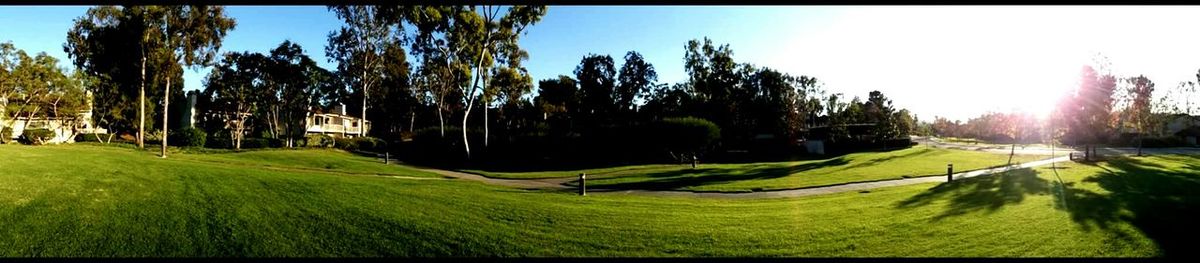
(1103, 109)
(34, 87)
(420, 73)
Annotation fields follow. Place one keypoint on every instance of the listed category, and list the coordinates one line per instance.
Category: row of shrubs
(28, 136)
(668, 140)
(192, 137)
(1154, 142)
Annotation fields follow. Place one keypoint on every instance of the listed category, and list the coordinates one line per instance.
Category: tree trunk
(441, 121)
(237, 142)
(485, 124)
(466, 144)
(273, 121)
(166, 101)
(287, 131)
(142, 106)
(1139, 144)
(362, 129)
(1011, 152)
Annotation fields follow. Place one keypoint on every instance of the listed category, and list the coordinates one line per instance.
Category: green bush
(687, 136)
(188, 137)
(218, 141)
(371, 144)
(88, 137)
(255, 143)
(317, 140)
(345, 143)
(429, 147)
(1161, 142)
(5, 135)
(36, 136)
(224, 142)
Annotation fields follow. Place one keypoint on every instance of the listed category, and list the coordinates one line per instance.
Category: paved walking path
(558, 183)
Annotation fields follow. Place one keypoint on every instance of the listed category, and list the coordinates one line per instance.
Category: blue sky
(952, 61)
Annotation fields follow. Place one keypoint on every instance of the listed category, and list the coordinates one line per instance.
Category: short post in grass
(582, 183)
(949, 172)
(695, 161)
(386, 155)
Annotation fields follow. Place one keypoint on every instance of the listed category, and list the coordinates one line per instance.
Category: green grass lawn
(856, 167)
(983, 143)
(109, 201)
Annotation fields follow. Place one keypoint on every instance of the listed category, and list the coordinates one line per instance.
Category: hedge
(36, 136)
(1161, 142)
(687, 135)
(255, 143)
(5, 135)
(188, 137)
(317, 140)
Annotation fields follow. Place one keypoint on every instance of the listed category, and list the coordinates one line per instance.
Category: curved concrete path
(558, 183)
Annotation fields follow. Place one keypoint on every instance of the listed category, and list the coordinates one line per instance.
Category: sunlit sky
(950, 61)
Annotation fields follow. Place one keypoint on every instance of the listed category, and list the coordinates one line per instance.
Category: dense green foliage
(5, 134)
(189, 137)
(36, 136)
(123, 202)
(687, 137)
(136, 51)
(317, 140)
(35, 87)
(369, 144)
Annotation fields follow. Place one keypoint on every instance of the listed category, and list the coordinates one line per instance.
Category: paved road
(558, 183)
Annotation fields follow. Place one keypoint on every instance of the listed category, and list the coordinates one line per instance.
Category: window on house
(355, 124)
(317, 120)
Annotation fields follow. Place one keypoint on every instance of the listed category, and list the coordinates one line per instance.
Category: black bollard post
(694, 161)
(386, 156)
(582, 183)
(949, 172)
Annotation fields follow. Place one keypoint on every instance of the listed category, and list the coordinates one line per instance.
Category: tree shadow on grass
(1161, 203)
(982, 193)
(1158, 201)
(877, 161)
(670, 180)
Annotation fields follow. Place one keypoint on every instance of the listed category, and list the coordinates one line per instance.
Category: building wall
(333, 124)
(62, 133)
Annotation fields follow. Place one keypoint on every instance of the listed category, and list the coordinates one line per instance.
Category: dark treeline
(607, 113)
(420, 74)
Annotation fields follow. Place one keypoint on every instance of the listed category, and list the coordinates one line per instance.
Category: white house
(335, 123)
(64, 129)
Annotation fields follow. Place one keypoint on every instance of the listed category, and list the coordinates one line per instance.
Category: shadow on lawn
(877, 161)
(983, 193)
(697, 177)
(715, 158)
(1157, 201)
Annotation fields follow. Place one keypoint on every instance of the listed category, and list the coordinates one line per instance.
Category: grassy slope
(857, 167)
(97, 201)
(310, 159)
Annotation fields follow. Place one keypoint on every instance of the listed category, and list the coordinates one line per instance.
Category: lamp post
(949, 172)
